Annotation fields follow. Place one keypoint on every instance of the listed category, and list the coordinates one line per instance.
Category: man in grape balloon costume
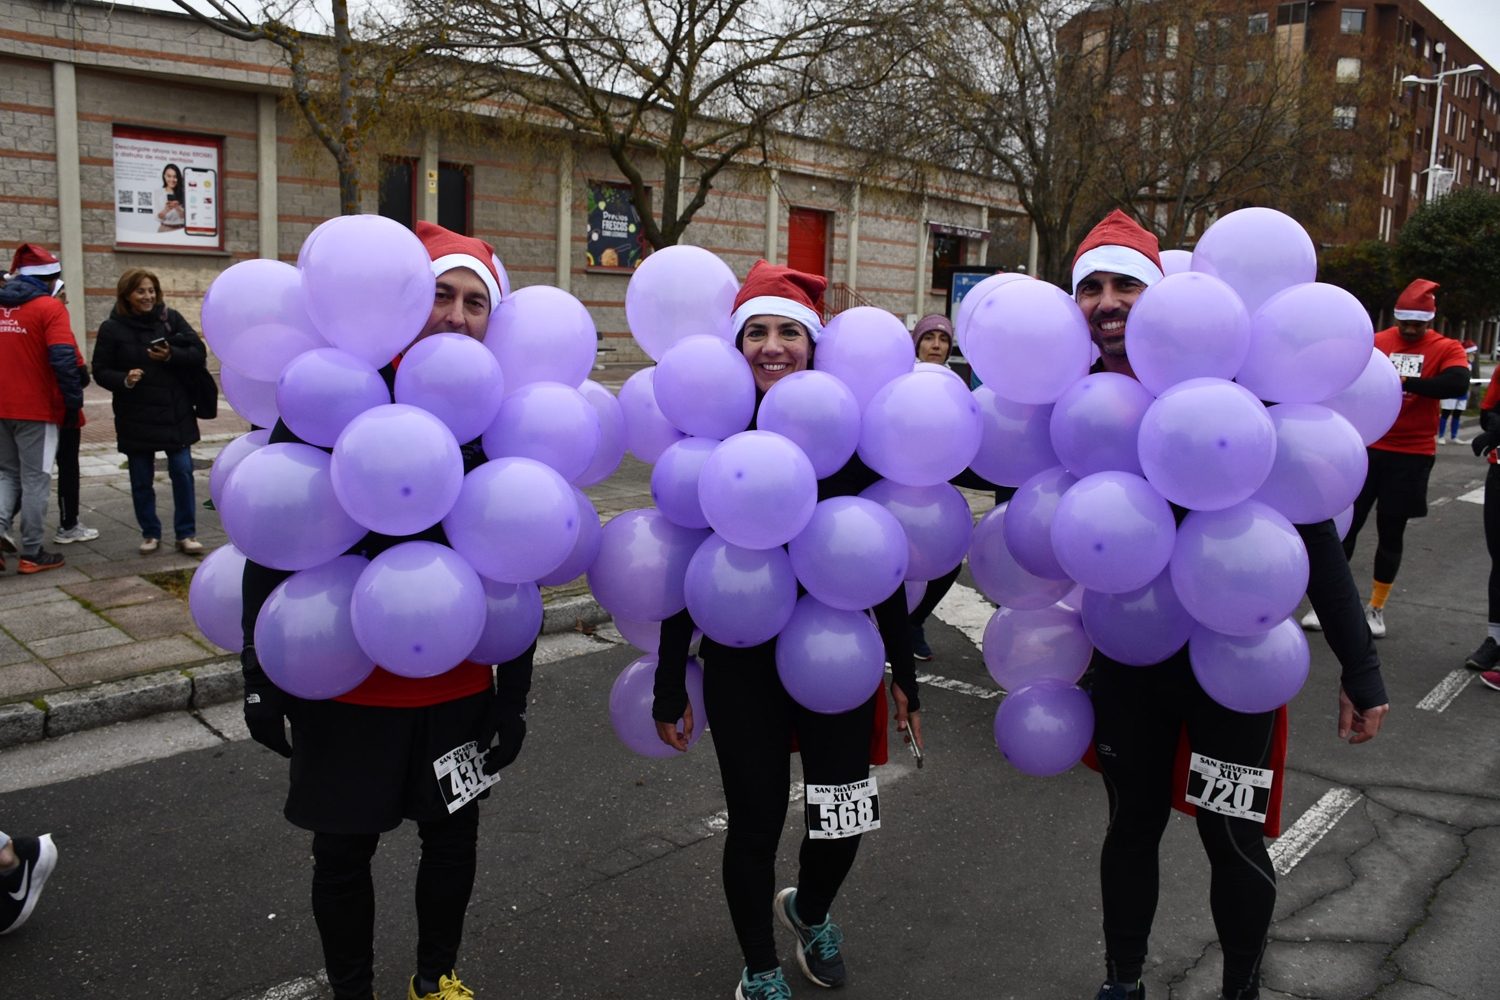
(762, 705)
(1157, 729)
(396, 746)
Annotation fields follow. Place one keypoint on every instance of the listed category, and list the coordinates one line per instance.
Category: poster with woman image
(167, 189)
(615, 238)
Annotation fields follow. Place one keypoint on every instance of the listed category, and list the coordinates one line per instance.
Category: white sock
(1494, 628)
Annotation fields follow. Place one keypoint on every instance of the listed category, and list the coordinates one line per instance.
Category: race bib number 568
(1233, 790)
(838, 811)
(460, 778)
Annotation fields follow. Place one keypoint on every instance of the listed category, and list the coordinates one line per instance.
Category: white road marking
(563, 645)
(1440, 501)
(966, 610)
(1294, 845)
(962, 687)
(1449, 688)
(1474, 496)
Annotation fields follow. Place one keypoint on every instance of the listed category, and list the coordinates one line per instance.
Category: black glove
(507, 723)
(265, 706)
(1483, 443)
(70, 419)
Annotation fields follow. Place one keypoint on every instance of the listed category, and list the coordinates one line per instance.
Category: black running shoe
(1122, 991)
(1485, 657)
(817, 947)
(20, 889)
(919, 647)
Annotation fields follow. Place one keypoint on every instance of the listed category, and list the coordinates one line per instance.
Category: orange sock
(1381, 592)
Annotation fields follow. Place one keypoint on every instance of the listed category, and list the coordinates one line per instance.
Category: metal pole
(1437, 125)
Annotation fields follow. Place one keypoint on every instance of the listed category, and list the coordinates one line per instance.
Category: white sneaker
(149, 545)
(1311, 623)
(1375, 618)
(1442, 440)
(77, 533)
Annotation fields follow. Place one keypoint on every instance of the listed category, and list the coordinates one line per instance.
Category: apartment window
(1341, 166)
(1120, 85)
(1171, 46)
(1169, 88)
(1338, 212)
(1352, 21)
(1347, 70)
(1148, 89)
(1153, 45)
(1344, 116)
(1221, 81)
(1255, 71)
(1291, 13)
(1200, 35)
(1226, 31)
(1199, 76)
(1258, 24)
(398, 190)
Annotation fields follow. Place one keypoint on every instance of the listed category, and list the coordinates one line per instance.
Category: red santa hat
(771, 290)
(1417, 302)
(449, 250)
(33, 260)
(1118, 244)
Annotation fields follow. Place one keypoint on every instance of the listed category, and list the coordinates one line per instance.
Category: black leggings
(68, 439)
(1139, 715)
(1492, 537)
(343, 899)
(936, 591)
(1389, 541)
(753, 719)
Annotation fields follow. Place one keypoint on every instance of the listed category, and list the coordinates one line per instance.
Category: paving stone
(165, 560)
(12, 651)
(27, 598)
(14, 583)
(21, 723)
(20, 680)
(78, 642)
(148, 621)
(117, 592)
(43, 621)
(116, 701)
(133, 658)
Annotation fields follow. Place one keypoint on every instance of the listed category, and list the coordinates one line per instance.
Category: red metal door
(807, 241)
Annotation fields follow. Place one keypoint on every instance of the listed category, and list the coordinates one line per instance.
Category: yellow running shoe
(449, 988)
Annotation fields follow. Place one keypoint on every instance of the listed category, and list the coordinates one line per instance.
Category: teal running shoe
(817, 947)
(763, 986)
(1122, 991)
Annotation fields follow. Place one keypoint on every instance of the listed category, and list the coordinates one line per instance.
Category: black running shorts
(1397, 482)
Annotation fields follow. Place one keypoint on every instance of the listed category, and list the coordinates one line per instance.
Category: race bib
(838, 811)
(1233, 790)
(1408, 365)
(460, 777)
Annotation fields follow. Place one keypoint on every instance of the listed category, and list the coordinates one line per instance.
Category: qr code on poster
(127, 199)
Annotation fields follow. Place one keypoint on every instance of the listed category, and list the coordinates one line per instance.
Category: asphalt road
(599, 870)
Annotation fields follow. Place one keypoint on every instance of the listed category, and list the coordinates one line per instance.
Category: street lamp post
(1437, 115)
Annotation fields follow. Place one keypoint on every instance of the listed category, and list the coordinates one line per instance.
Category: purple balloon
(1140, 627)
(679, 292)
(674, 481)
(585, 549)
(215, 598)
(542, 334)
(1343, 521)
(1257, 252)
(1028, 522)
(740, 597)
(1372, 402)
(311, 237)
(645, 636)
(1307, 343)
(419, 609)
(252, 399)
(455, 379)
(1176, 261)
(1025, 646)
(1112, 532)
(369, 286)
(1251, 674)
(1073, 600)
(631, 698)
(1187, 325)
(513, 619)
(323, 390)
(230, 456)
(758, 490)
(705, 388)
(817, 413)
(549, 422)
(280, 509)
(1000, 578)
(830, 661)
(852, 555)
(1096, 422)
(515, 520)
(1320, 463)
(1207, 444)
(255, 318)
(972, 298)
(936, 521)
(920, 429)
(866, 349)
(642, 562)
(647, 432)
(611, 434)
(1239, 571)
(1028, 341)
(915, 591)
(304, 634)
(1045, 727)
(397, 469)
(1015, 439)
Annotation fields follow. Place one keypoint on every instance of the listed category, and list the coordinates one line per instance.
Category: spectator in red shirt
(39, 388)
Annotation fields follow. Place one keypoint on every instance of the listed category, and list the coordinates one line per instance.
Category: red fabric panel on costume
(879, 750)
(384, 689)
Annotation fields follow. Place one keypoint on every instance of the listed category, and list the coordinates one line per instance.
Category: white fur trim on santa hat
(449, 261)
(1118, 259)
(1409, 315)
(775, 305)
(40, 270)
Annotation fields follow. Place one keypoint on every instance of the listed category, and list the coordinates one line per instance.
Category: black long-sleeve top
(1450, 383)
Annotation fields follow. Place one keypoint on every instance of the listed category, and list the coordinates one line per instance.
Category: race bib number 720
(1233, 790)
(460, 778)
(838, 811)
(1408, 365)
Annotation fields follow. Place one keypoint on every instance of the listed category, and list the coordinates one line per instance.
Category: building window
(1338, 212)
(947, 253)
(1291, 13)
(1352, 21)
(1199, 75)
(1148, 89)
(1169, 87)
(1341, 166)
(398, 190)
(1120, 85)
(1226, 31)
(453, 198)
(1344, 116)
(1258, 24)
(1255, 71)
(1171, 52)
(1347, 70)
(1153, 45)
(1221, 81)
(1200, 35)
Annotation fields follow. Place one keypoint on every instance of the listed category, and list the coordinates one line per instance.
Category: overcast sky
(1476, 22)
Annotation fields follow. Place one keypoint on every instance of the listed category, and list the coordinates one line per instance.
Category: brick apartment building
(92, 92)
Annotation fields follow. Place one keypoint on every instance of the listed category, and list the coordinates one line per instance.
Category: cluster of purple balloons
(1257, 390)
(305, 345)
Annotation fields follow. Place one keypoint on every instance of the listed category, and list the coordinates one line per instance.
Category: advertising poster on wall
(615, 238)
(167, 190)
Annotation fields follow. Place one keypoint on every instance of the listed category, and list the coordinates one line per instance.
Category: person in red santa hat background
(363, 762)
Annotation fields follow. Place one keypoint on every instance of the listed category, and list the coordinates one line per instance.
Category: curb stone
(564, 616)
(22, 722)
(117, 701)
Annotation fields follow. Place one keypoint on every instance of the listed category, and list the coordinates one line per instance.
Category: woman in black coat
(144, 355)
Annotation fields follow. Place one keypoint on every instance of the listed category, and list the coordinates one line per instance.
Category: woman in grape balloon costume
(757, 698)
(1194, 517)
(372, 746)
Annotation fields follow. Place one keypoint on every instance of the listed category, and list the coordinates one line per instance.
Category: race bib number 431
(459, 776)
(1233, 790)
(1408, 365)
(837, 811)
